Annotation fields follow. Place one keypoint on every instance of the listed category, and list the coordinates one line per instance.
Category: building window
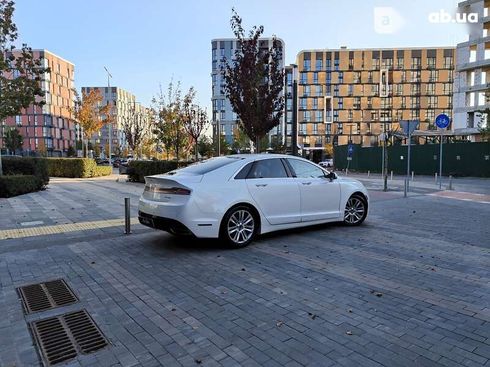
(399, 63)
(336, 90)
(416, 63)
(375, 65)
(448, 88)
(357, 77)
(415, 76)
(328, 64)
(357, 103)
(433, 75)
(415, 114)
(315, 103)
(289, 104)
(430, 115)
(306, 90)
(289, 78)
(415, 102)
(302, 103)
(319, 116)
(387, 63)
(370, 76)
(315, 129)
(306, 116)
(431, 88)
(399, 89)
(303, 78)
(350, 89)
(350, 115)
(329, 77)
(336, 64)
(374, 115)
(336, 117)
(351, 64)
(222, 115)
(289, 117)
(341, 77)
(448, 62)
(340, 103)
(328, 129)
(432, 102)
(431, 62)
(315, 78)
(18, 120)
(318, 90)
(319, 64)
(307, 65)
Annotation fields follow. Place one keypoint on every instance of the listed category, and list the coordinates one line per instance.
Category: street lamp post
(294, 138)
(109, 76)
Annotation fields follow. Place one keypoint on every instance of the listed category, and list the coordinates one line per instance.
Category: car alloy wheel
(240, 226)
(355, 211)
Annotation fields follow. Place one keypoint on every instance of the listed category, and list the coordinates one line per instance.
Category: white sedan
(238, 197)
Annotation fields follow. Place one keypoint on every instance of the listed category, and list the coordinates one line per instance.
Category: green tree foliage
(167, 116)
(254, 81)
(13, 140)
(205, 147)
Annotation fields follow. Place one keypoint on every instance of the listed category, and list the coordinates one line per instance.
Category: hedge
(137, 170)
(26, 166)
(76, 168)
(13, 185)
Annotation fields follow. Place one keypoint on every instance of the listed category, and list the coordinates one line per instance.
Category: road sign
(408, 126)
(349, 158)
(442, 121)
(350, 150)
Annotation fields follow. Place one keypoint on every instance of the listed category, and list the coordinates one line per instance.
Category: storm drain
(62, 338)
(44, 296)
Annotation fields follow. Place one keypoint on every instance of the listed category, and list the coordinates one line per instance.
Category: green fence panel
(459, 159)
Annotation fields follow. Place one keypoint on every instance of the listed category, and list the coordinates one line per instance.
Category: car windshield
(201, 168)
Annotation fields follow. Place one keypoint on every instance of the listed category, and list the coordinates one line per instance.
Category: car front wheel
(239, 226)
(355, 210)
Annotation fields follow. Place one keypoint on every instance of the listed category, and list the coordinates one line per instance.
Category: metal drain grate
(44, 296)
(64, 337)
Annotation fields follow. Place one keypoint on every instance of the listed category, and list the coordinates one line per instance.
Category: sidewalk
(474, 185)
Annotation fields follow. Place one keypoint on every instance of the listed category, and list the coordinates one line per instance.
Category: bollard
(412, 175)
(391, 176)
(127, 216)
(435, 177)
(369, 173)
(450, 182)
(405, 188)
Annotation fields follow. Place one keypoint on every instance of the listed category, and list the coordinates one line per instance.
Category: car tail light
(167, 190)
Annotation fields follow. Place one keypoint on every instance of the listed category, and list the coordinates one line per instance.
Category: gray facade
(472, 77)
(222, 110)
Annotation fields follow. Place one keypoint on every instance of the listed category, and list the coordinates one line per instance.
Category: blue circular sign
(442, 121)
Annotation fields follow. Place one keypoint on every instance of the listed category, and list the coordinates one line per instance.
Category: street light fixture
(109, 76)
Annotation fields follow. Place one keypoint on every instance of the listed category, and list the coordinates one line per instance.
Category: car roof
(255, 157)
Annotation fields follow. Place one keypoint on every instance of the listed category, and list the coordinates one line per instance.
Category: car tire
(355, 210)
(239, 226)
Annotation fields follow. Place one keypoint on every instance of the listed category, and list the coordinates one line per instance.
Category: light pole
(294, 139)
(109, 76)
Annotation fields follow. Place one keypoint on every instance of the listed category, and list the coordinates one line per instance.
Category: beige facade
(350, 94)
(121, 101)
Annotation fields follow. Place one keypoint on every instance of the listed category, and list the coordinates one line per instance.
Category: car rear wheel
(355, 210)
(239, 226)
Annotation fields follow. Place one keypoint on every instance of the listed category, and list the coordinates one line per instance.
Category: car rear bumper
(165, 224)
(178, 219)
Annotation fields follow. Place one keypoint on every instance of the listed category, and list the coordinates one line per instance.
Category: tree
(195, 119)
(13, 140)
(241, 142)
(484, 123)
(167, 117)
(254, 81)
(224, 147)
(205, 146)
(71, 152)
(41, 148)
(20, 72)
(89, 114)
(134, 127)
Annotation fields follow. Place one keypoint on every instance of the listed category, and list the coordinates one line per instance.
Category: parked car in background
(327, 163)
(239, 197)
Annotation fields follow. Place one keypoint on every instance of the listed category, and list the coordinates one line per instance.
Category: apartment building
(121, 101)
(223, 113)
(351, 95)
(472, 85)
(49, 128)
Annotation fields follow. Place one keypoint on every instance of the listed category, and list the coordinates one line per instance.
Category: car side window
(304, 169)
(267, 168)
(244, 172)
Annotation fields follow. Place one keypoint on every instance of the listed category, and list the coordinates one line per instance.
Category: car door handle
(306, 183)
(261, 185)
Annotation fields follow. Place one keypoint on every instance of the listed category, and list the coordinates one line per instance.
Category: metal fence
(459, 159)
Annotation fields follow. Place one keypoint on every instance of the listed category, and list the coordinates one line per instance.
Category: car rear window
(203, 167)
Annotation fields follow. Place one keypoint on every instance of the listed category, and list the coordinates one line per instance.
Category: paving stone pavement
(411, 287)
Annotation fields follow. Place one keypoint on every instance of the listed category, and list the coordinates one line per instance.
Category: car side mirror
(331, 176)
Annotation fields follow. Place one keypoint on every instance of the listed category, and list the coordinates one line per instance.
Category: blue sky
(145, 43)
